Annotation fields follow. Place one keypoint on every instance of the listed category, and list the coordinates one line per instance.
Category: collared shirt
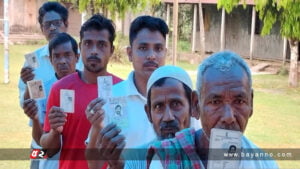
(138, 130)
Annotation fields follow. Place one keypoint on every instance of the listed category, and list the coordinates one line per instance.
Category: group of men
(161, 105)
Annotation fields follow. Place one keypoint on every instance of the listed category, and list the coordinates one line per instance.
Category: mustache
(94, 58)
(150, 63)
(171, 124)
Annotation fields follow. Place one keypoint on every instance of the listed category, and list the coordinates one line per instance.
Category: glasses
(56, 23)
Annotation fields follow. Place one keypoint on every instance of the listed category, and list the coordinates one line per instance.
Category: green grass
(274, 124)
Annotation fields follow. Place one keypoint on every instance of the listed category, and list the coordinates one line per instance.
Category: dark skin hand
(30, 109)
(26, 74)
(57, 118)
(95, 114)
(110, 144)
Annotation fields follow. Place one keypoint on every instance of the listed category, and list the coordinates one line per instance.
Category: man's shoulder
(66, 81)
(42, 51)
(266, 162)
(115, 78)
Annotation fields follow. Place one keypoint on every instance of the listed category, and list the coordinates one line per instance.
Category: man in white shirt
(147, 52)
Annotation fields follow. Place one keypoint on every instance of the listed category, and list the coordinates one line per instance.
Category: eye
(55, 56)
(157, 107)
(215, 102)
(158, 48)
(143, 48)
(176, 104)
(86, 43)
(239, 101)
(101, 44)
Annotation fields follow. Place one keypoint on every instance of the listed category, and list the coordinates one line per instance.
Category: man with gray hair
(225, 101)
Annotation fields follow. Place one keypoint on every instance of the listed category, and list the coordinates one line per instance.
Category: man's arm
(31, 110)
(51, 140)
(26, 74)
(106, 145)
(95, 118)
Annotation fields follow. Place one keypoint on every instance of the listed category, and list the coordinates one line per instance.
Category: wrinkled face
(64, 59)
(225, 100)
(96, 50)
(169, 111)
(52, 24)
(148, 52)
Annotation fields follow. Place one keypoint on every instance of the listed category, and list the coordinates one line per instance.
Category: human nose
(52, 26)
(168, 115)
(94, 50)
(228, 115)
(62, 60)
(151, 55)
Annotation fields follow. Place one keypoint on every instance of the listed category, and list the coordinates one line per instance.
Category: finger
(93, 103)
(57, 125)
(26, 69)
(97, 118)
(116, 153)
(115, 141)
(111, 149)
(106, 138)
(27, 77)
(32, 112)
(106, 129)
(55, 109)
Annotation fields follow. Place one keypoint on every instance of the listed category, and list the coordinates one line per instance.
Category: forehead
(216, 80)
(50, 16)
(170, 87)
(145, 36)
(102, 35)
(64, 47)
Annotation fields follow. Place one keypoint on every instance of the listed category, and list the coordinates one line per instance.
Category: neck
(91, 77)
(140, 83)
(202, 146)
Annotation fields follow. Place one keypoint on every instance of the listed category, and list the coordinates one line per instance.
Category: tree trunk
(175, 31)
(92, 7)
(202, 31)
(293, 75)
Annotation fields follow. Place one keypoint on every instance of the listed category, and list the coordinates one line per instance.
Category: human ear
(148, 112)
(195, 109)
(129, 53)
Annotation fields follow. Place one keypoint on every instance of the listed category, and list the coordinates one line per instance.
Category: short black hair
(149, 22)
(99, 22)
(53, 6)
(62, 38)
(160, 82)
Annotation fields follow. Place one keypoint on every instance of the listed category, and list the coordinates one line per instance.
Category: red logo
(38, 154)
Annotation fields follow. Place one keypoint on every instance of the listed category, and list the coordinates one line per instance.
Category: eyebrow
(213, 96)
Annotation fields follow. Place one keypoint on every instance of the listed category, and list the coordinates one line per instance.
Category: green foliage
(114, 7)
(229, 5)
(186, 16)
(286, 12)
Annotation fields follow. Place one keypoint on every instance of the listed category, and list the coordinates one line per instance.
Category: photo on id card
(31, 60)
(117, 112)
(36, 89)
(224, 149)
(67, 100)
